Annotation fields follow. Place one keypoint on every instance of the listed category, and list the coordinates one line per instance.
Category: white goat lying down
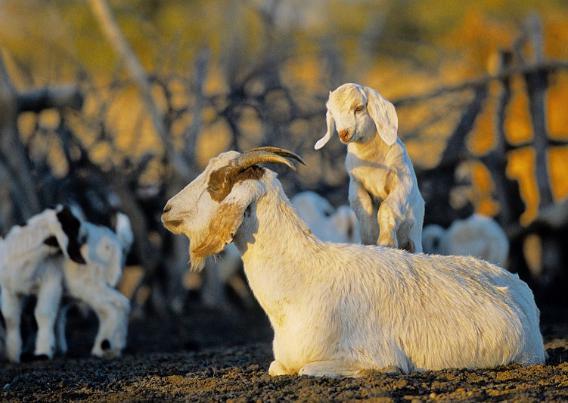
(477, 236)
(22, 272)
(327, 223)
(342, 309)
(383, 190)
(94, 284)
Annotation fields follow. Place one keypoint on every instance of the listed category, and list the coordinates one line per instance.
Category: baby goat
(94, 284)
(22, 272)
(383, 190)
(343, 309)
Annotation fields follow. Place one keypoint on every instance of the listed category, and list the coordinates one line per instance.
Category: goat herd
(346, 291)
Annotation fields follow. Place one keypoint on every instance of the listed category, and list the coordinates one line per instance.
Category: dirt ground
(209, 355)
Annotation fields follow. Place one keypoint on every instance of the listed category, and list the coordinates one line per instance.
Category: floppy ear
(383, 114)
(71, 226)
(330, 131)
(226, 221)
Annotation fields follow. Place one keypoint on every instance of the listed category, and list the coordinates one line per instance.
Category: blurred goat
(94, 285)
(477, 236)
(23, 272)
(327, 223)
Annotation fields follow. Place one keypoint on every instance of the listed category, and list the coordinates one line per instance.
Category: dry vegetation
(121, 103)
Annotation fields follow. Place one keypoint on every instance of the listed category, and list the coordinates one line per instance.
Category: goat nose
(167, 208)
(344, 134)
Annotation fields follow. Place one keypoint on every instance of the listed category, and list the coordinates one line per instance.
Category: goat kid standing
(383, 190)
(94, 284)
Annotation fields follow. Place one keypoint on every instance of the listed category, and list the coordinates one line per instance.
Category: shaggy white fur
(383, 190)
(343, 309)
(322, 218)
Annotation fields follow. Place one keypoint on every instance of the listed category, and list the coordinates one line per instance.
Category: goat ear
(329, 133)
(225, 223)
(383, 114)
(71, 226)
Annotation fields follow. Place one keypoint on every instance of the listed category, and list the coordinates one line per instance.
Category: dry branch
(14, 155)
(550, 66)
(65, 96)
(537, 84)
(110, 28)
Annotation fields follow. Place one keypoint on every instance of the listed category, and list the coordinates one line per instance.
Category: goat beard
(196, 263)
(220, 233)
(196, 260)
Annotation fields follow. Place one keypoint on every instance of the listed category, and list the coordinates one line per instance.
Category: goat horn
(282, 152)
(258, 156)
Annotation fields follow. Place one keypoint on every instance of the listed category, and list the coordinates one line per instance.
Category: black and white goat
(23, 253)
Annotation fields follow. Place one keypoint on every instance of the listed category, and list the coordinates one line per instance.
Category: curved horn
(221, 181)
(259, 156)
(282, 152)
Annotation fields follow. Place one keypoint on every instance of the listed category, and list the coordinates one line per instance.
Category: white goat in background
(477, 236)
(94, 284)
(327, 223)
(343, 309)
(383, 190)
(22, 272)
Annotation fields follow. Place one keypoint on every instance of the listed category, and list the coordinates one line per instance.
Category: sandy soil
(208, 355)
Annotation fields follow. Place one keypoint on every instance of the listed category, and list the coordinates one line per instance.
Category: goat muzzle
(344, 135)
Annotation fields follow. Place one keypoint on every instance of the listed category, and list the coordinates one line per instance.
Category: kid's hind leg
(12, 310)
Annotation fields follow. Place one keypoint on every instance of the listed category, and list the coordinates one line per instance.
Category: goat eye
(359, 108)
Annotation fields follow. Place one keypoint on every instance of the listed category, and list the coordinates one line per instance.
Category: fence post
(537, 83)
(13, 154)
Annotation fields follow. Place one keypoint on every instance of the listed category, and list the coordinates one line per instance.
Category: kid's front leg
(12, 311)
(387, 218)
(362, 204)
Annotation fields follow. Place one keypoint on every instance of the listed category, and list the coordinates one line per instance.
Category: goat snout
(344, 135)
(170, 222)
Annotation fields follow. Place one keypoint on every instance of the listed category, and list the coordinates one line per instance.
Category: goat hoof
(105, 345)
(41, 357)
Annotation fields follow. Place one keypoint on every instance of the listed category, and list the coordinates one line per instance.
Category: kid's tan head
(357, 114)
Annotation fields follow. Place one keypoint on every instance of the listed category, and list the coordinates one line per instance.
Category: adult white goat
(94, 284)
(342, 309)
(23, 272)
(477, 236)
(383, 190)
